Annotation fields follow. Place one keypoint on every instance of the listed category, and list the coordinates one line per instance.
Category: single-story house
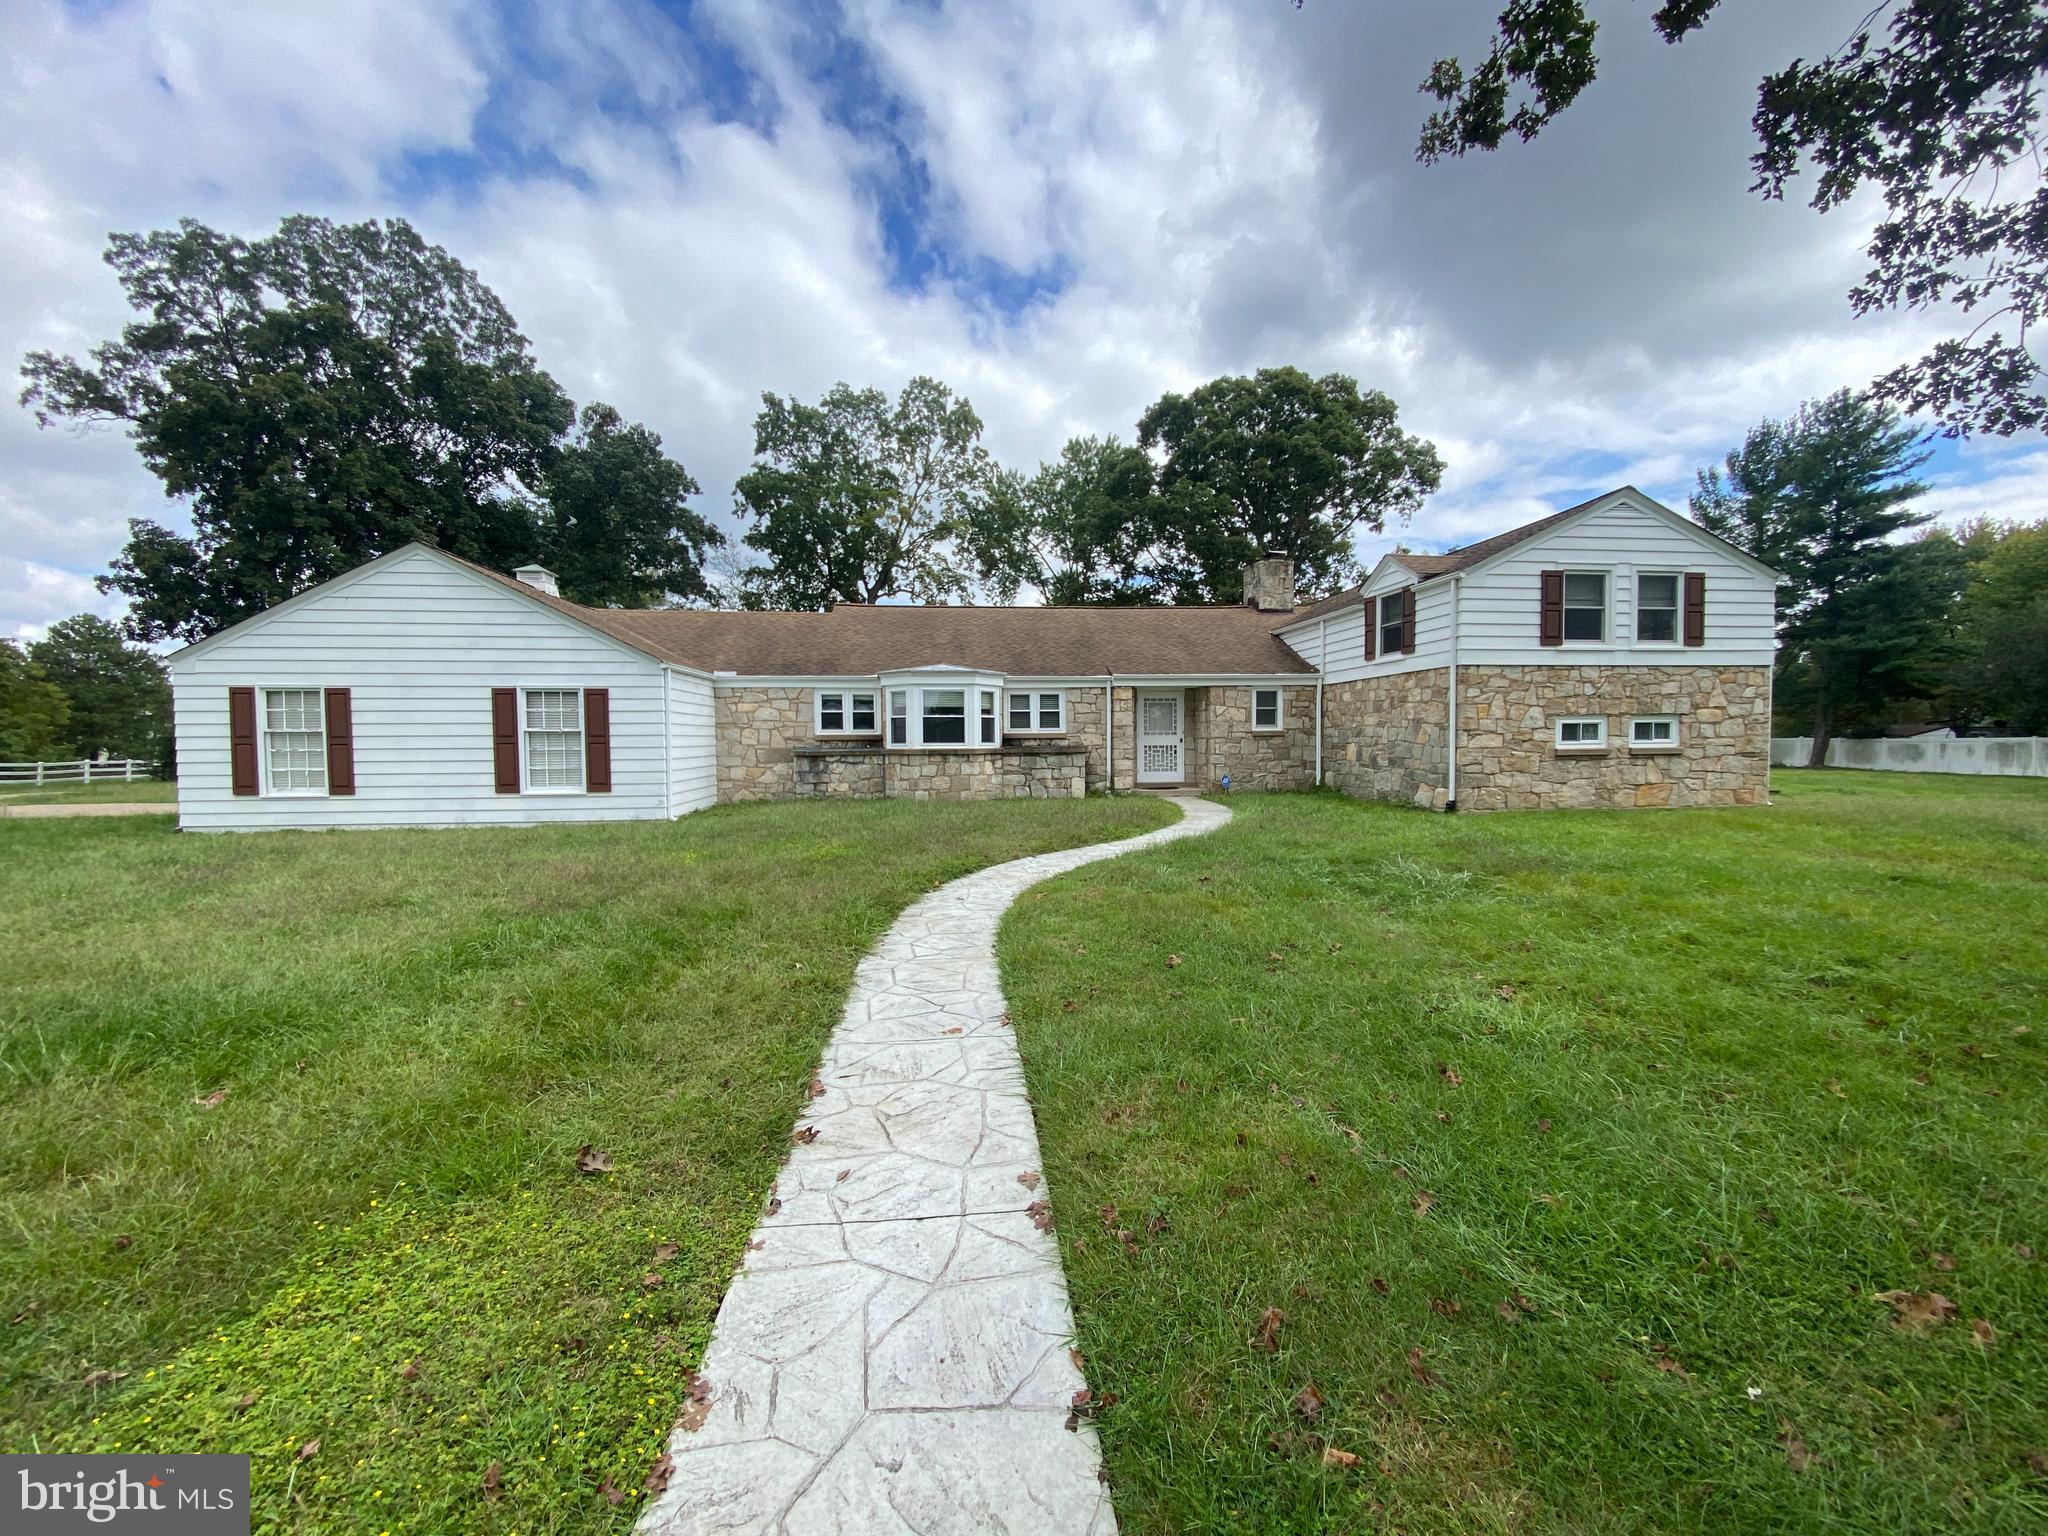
(1614, 654)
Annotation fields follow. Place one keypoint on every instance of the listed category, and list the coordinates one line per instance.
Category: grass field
(1572, 1154)
(290, 1135)
(116, 791)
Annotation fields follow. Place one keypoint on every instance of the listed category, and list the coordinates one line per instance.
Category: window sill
(296, 794)
(1036, 730)
(1581, 751)
(1658, 751)
(1269, 730)
(552, 794)
(848, 735)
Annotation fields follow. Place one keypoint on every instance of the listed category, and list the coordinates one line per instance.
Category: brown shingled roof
(855, 641)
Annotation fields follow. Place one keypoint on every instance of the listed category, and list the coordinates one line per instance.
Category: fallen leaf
(1797, 1457)
(956, 1029)
(1524, 1303)
(590, 1160)
(1443, 1117)
(1173, 960)
(1981, 1333)
(1543, 1126)
(2038, 1462)
(1273, 957)
(212, 1100)
(1074, 1355)
(1424, 1202)
(649, 1281)
(124, 1241)
(817, 1087)
(804, 1135)
(307, 1451)
(1449, 1074)
(1332, 1457)
(1308, 1402)
(1040, 1214)
(843, 1175)
(1943, 1261)
(493, 1475)
(1155, 1224)
(1028, 1180)
(1507, 1310)
(102, 1378)
(2023, 1250)
(245, 1402)
(1266, 1337)
(1550, 1200)
(1379, 1285)
(1108, 1215)
(1917, 1311)
(1180, 1085)
(1505, 993)
(609, 1492)
(1443, 1308)
(1422, 1373)
(656, 1480)
(1670, 1366)
(410, 1371)
(1834, 1086)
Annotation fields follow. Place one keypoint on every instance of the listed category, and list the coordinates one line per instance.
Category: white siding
(692, 743)
(1344, 632)
(419, 644)
(1501, 600)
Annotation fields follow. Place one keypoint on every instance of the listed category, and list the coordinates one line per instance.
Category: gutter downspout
(1451, 777)
(1109, 733)
(882, 718)
(668, 749)
(1322, 666)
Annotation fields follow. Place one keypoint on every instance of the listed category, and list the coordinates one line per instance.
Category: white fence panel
(2005, 756)
(84, 770)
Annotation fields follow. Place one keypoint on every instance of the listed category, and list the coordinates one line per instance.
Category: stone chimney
(1269, 584)
(538, 577)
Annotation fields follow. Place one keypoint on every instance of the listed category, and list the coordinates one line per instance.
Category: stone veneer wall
(1221, 740)
(1020, 771)
(757, 730)
(1508, 759)
(1387, 738)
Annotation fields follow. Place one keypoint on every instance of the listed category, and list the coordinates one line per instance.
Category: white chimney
(540, 578)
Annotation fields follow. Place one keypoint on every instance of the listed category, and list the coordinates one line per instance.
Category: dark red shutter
(341, 744)
(1372, 637)
(1407, 620)
(242, 740)
(1551, 628)
(597, 740)
(505, 739)
(1695, 608)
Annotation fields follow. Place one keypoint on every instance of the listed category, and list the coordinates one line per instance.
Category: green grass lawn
(113, 791)
(290, 1131)
(1573, 1151)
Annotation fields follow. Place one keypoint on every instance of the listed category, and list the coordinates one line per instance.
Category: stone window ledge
(876, 749)
(1581, 751)
(1669, 751)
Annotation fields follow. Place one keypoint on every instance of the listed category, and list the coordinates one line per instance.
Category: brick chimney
(1269, 584)
(539, 577)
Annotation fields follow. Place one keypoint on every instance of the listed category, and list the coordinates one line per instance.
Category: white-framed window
(1653, 731)
(1585, 606)
(1393, 614)
(899, 717)
(988, 717)
(553, 726)
(1036, 711)
(846, 712)
(1265, 709)
(1582, 732)
(942, 717)
(1657, 607)
(295, 741)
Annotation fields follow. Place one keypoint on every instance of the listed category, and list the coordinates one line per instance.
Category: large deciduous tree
(120, 701)
(1278, 463)
(618, 530)
(33, 710)
(1822, 498)
(325, 395)
(859, 498)
(1096, 521)
(2001, 628)
(1942, 116)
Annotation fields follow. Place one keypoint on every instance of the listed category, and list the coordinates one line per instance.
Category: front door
(1161, 745)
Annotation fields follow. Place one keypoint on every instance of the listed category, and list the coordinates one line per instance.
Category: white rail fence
(2009, 756)
(84, 770)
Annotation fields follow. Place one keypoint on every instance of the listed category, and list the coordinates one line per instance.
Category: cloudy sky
(1063, 208)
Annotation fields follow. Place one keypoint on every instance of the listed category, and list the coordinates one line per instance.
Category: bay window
(942, 717)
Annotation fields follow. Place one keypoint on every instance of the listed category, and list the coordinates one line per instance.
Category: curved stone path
(893, 1355)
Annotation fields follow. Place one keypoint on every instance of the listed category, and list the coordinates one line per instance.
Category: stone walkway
(894, 1354)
